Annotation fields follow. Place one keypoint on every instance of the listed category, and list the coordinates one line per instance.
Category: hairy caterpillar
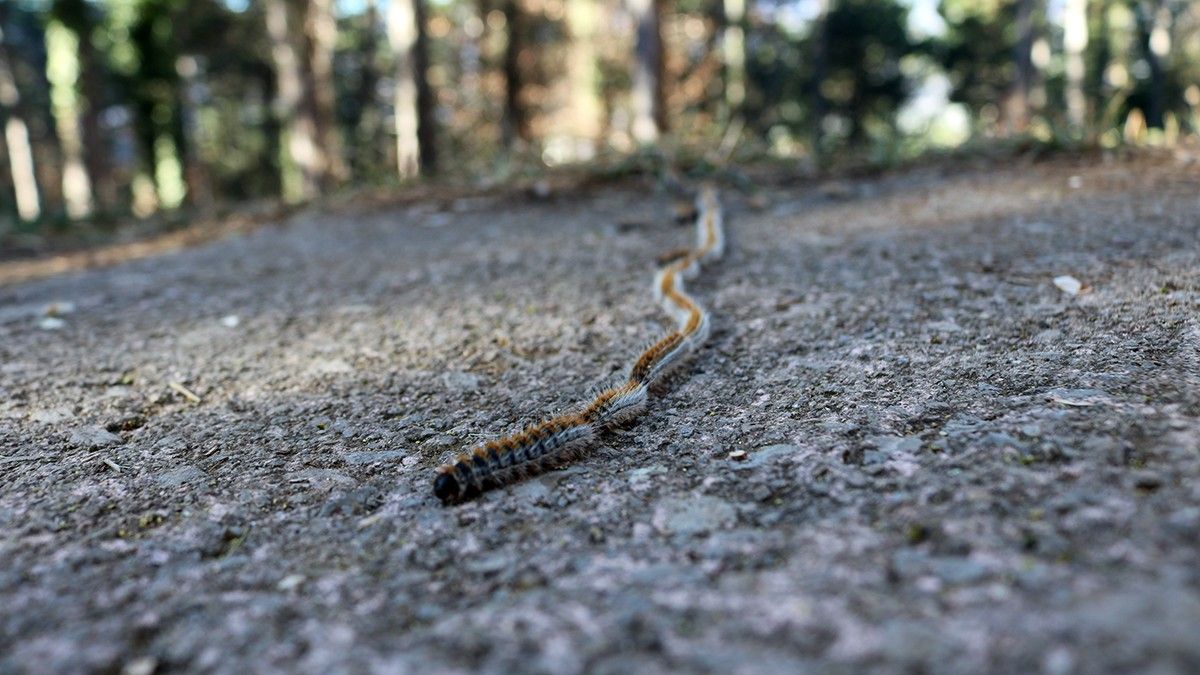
(561, 438)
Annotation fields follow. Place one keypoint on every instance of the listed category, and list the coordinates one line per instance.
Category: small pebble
(1068, 284)
(290, 582)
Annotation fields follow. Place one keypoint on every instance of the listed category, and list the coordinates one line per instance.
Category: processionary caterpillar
(561, 438)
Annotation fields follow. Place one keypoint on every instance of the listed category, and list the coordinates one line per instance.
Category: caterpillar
(561, 439)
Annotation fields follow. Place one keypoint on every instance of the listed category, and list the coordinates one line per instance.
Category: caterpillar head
(447, 488)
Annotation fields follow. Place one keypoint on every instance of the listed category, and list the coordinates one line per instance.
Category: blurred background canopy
(119, 107)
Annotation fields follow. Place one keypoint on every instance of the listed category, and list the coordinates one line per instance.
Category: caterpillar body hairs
(560, 439)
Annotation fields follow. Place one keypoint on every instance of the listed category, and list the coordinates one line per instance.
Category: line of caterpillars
(560, 439)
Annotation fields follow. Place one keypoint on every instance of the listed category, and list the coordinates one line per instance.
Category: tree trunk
(302, 161)
(426, 129)
(96, 151)
(1154, 42)
(1075, 38)
(649, 114)
(585, 108)
(413, 104)
(47, 157)
(272, 129)
(62, 70)
(820, 70)
(660, 80)
(1100, 53)
(78, 17)
(320, 31)
(195, 174)
(96, 147)
(155, 95)
(366, 121)
(16, 138)
(1018, 99)
(516, 121)
(733, 52)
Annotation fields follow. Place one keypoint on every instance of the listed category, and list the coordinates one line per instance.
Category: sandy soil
(220, 459)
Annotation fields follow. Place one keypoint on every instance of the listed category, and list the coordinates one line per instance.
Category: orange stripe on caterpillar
(645, 364)
(560, 439)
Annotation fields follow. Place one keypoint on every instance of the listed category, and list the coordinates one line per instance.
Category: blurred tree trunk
(195, 173)
(272, 129)
(733, 52)
(413, 109)
(302, 161)
(585, 107)
(1155, 43)
(16, 139)
(62, 70)
(320, 32)
(649, 113)
(366, 121)
(1075, 39)
(47, 158)
(95, 140)
(426, 128)
(820, 70)
(147, 62)
(78, 17)
(1017, 113)
(1100, 53)
(7, 190)
(516, 120)
(474, 62)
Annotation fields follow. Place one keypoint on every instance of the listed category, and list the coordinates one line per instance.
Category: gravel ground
(903, 449)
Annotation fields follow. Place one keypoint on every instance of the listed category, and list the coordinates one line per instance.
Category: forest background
(118, 110)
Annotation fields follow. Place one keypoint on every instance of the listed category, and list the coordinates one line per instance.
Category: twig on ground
(185, 392)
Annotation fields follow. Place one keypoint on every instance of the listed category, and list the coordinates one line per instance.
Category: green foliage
(864, 85)
(977, 53)
(861, 83)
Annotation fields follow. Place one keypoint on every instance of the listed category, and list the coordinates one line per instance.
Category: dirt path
(951, 464)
